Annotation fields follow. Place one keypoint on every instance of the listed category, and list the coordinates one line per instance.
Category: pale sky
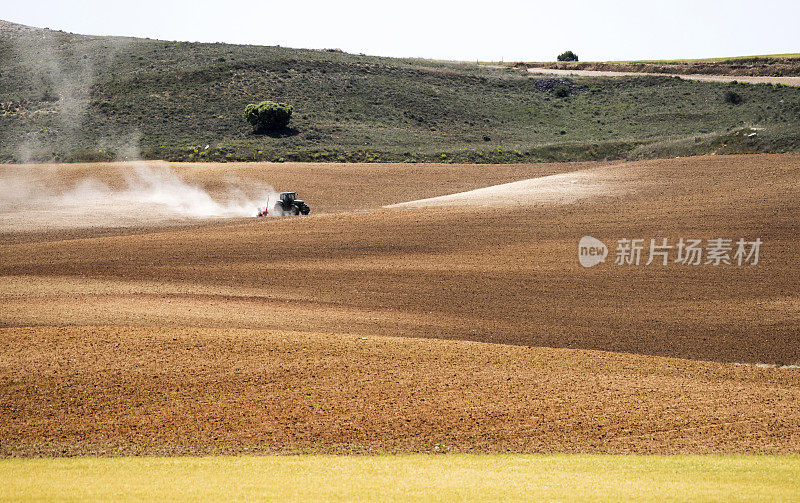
(487, 30)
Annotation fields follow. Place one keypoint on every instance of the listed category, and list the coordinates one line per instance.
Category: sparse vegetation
(174, 98)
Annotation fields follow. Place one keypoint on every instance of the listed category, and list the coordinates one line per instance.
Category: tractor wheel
(295, 210)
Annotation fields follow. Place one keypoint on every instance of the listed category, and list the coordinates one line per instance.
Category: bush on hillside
(268, 115)
(568, 56)
(561, 91)
(732, 98)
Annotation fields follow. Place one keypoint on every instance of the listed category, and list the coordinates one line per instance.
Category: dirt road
(788, 81)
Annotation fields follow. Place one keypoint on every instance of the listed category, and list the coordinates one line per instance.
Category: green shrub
(732, 98)
(568, 56)
(268, 115)
(561, 91)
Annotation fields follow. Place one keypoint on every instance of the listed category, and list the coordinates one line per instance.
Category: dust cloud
(38, 198)
(63, 69)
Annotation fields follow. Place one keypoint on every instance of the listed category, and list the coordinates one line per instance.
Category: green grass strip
(404, 478)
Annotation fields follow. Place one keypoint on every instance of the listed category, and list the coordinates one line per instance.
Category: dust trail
(561, 188)
(61, 70)
(139, 193)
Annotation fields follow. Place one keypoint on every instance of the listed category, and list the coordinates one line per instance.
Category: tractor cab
(287, 204)
(287, 198)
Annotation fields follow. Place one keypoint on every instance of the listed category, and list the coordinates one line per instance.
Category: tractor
(287, 204)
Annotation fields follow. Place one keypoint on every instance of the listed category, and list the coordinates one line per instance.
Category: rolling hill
(460, 319)
(68, 97)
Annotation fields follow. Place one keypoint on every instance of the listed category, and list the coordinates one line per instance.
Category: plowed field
(393, 319)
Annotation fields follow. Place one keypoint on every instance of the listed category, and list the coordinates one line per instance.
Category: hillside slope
(75, 97)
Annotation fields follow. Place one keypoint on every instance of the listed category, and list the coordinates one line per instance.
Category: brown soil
(329, 187)
(466, 268)
(118, 391)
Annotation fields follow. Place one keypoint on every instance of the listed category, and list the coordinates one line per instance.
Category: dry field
(462, 323)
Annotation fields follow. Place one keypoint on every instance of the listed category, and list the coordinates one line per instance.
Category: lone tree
(568, 56)
(268, 115)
